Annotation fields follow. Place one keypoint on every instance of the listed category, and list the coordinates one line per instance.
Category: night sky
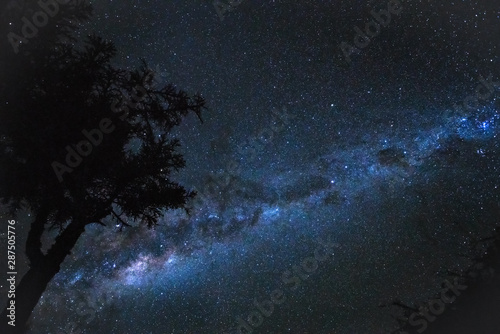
(372, 165)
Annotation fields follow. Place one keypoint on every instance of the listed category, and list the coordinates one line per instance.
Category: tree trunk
(34, 240)
(35, 281)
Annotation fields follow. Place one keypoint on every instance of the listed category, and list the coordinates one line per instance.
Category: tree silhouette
(81, 142)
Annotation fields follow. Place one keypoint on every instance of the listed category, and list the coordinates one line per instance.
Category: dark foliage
(59, 96)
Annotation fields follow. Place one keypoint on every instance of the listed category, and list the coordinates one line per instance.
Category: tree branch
(123, 223)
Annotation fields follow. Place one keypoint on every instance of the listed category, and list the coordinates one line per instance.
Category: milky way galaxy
(388, 159)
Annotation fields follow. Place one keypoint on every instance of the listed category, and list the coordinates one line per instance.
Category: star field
(299, 149)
